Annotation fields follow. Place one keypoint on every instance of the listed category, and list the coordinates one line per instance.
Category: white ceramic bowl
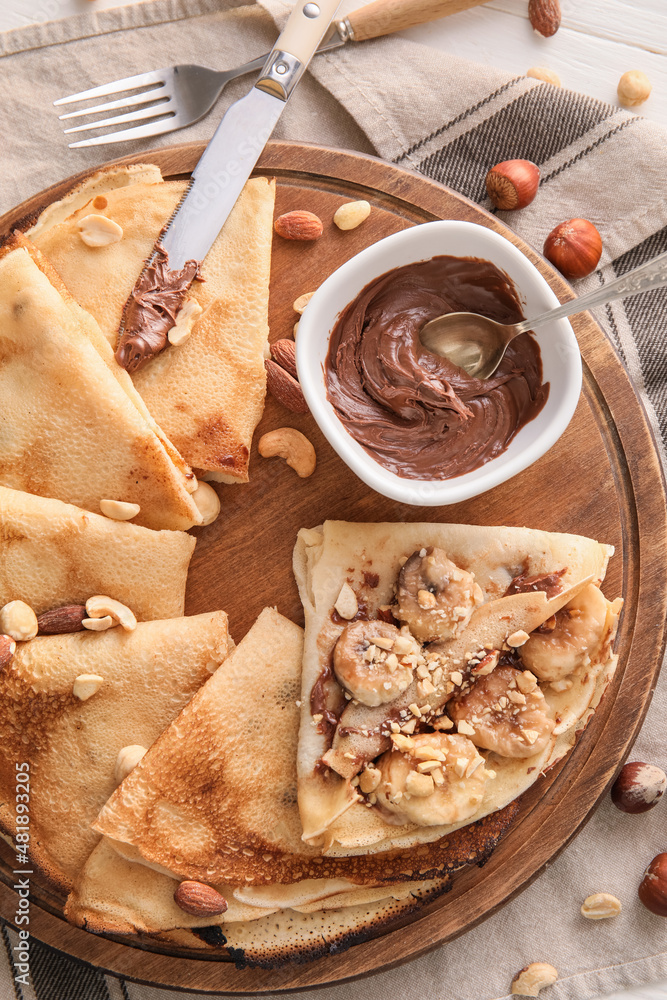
(560, 357)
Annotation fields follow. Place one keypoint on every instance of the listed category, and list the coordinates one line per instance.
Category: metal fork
(176, 96)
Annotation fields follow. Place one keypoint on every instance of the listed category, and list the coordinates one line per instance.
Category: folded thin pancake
(71, 745)
(53, 554)
(114, 894)
(215, 797)
(208, 393)
(72, 426)
(369, 557)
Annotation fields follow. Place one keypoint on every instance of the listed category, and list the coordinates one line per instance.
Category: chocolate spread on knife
(416, 413)
(150, 312)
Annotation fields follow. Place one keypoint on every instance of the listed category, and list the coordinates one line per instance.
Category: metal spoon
(478, 344)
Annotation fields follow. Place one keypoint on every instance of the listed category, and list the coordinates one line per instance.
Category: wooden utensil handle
(384, 17)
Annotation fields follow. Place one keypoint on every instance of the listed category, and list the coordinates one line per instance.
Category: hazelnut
(299, 225)
(600, 906)
(638, 787)
(18, 621)
(574, 247)
(532, 978)
(512, 184)
(544, 74)
(634, 88)
(653, 887)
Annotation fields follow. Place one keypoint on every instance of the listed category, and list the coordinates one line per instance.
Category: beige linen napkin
(448, 119)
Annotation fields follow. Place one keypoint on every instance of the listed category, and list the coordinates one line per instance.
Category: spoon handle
(653, 274)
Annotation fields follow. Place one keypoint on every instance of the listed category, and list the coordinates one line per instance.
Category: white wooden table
(597, 42)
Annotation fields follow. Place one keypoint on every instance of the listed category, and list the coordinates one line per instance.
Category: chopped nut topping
(419, 785)
(517, 638)
(346, 604)
(426, 599)
(465, 729)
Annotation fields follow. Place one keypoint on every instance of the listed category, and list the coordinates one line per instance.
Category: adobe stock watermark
(21, 951)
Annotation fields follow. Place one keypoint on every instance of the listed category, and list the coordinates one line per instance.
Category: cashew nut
(99, 624)
(208, 502)
(302, 301)
(19, 621)
(293, 446)
(99, 606)
(118, 510)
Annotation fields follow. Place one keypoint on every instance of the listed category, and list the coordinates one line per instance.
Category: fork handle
(384, 17)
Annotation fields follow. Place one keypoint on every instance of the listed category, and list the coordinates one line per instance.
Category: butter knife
(215, 186)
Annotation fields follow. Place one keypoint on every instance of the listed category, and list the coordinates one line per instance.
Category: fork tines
(154, 104)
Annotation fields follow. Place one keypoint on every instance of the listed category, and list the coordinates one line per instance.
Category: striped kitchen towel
(449, 120)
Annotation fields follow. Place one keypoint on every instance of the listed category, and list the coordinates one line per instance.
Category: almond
(7, 647)
(58, 621)
(283, 353)
(285, 388)
(544, 16)
(199, 900)
(299, 226)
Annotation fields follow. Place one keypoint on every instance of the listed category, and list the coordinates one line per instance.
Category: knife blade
(215, 186)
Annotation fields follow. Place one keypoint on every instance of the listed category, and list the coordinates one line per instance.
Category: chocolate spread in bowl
(416, 413)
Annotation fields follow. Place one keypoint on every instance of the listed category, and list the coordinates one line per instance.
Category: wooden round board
(602, 479)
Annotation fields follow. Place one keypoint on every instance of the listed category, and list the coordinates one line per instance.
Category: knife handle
(384, 17)
(303, 32)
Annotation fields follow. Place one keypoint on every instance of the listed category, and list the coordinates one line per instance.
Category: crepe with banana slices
(445, 668)
(207, 393)
(72, 426)
(69, 704)
(53, 554)
(214, 800)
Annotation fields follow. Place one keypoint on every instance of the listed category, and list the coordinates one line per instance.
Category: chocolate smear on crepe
(150, 312)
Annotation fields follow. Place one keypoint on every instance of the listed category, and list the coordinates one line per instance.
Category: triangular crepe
(72, 426)
(115, 894)
(53, 554)
(215, 798)
(368, 558)
(208, 393)
(71, 745)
